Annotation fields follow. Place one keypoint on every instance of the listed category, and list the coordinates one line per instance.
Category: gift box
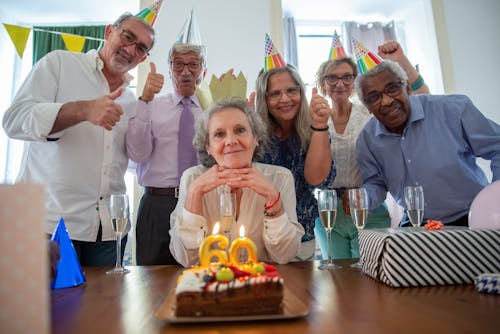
(407, 257)
(488, 283)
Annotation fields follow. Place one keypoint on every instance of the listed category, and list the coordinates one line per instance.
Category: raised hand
(391, 50)
(153, 85)
(230, 72)
(251, 100)
(319, 109)
(105, 111)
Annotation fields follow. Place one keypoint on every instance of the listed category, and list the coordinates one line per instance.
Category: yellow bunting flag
(73, 42)
(19, 36)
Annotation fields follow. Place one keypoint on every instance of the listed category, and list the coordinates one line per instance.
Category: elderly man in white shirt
(72, 112)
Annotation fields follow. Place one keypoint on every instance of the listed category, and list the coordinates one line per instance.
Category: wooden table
(340, 301)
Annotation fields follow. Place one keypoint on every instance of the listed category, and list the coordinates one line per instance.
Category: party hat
(365, 59)
(337, 50)
(190, 33)
(69, 271)
(149, 14)
(272, 58)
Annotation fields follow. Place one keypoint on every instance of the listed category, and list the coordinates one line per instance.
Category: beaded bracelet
(267, 207)
(418, 83)
(319, 129)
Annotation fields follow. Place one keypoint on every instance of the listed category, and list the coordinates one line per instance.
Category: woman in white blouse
(227, 140)
(335, 78)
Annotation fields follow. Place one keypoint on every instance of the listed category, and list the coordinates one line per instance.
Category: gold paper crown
(229, 86)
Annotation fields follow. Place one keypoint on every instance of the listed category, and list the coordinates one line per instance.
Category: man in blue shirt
(427, 140)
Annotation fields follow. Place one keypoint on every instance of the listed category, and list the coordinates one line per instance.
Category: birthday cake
(228, 290)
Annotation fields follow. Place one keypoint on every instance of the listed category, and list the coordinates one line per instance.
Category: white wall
(232, 31)
(468, 33)
(420, 40)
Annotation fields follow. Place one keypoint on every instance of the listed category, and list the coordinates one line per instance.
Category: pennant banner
(73, 42)
(19, 36)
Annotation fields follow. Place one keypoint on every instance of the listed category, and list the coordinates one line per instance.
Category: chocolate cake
(228, 291)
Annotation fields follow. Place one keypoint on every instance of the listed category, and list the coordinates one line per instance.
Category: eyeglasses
(178, 65)
(291, 92)
(392, 89)
(332, 79)
(128, 38)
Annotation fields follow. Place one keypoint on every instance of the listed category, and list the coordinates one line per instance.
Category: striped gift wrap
(408, 257)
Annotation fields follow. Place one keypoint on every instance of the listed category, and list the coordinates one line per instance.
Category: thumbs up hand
(153, 85)
(319, 109)
(105, 111)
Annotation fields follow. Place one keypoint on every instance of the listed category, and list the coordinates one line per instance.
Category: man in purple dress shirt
(153, 140)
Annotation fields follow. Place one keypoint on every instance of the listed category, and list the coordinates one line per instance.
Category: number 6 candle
(242, 242)
(206, 252)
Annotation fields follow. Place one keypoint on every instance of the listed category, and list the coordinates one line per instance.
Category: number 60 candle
(206, 252)
(242, 242)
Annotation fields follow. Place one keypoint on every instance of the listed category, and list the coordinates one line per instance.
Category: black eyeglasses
(291, 92)
(392, 89)
(332, 79)
(128, 38)
(178, 65)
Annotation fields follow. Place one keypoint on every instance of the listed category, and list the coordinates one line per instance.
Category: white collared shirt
(277, 238)
(81, 165)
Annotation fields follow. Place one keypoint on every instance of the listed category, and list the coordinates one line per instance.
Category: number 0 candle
(242, 242)
(206, 252)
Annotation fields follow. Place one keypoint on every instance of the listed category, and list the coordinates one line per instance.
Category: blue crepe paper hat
(69, 270)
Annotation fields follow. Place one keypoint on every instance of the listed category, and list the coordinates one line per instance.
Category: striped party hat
(365, 59)
(149, 14)
(272, 58)
(337, 50)
(190, 32)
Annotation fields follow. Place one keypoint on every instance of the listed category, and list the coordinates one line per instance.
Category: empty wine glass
(119, 212)
(327, 207)
(227, 207)
(358, 207)
(414, 199)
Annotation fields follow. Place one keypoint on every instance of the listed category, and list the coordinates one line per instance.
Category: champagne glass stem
(329, 250)
(118, 264)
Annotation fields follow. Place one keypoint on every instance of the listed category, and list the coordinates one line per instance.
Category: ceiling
(105, 11)
(64, 11)
(343, 10)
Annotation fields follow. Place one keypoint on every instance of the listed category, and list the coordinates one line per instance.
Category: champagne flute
(327, 207)
(227, 207)
(414, 199)
(358, 207)
(119, 212)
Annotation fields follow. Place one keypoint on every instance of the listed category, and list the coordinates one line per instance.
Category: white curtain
(371, 35)
(290, 42)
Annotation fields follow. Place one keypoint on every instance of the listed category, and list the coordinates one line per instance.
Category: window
(313, 43)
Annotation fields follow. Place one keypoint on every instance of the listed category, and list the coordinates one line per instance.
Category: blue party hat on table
(69, 271)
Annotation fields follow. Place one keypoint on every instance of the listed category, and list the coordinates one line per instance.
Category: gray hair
(325, 66)
(202, 140)
(302, 122)
(128, 16)
(387, 65)
(179, 47)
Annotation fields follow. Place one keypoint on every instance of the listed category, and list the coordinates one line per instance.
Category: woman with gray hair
(227, 140)
(335, 80)
(299, 141)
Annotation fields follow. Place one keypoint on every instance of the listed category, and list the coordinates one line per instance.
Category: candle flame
(242, 231)
(216, 228)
